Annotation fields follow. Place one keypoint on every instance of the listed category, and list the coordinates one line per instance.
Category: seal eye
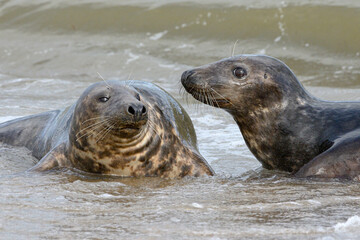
(104, 99)
(239, 72)
(138, 97)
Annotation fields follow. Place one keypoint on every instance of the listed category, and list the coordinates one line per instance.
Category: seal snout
(190, 81)
(185, 77)
(137, 110)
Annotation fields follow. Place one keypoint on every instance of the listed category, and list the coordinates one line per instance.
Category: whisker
(106, 132)
(130, 82)
(90, 119)
(103, 79)
(153, 128)
(205, 97)
(214, 98)
(100, 133)
(234, 47)
(91, 130)
(131, 72)
(213, 102)
(97, 123)
(222, 97)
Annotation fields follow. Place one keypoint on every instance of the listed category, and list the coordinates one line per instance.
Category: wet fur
(284, 126)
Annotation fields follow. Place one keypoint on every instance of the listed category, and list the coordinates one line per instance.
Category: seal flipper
(342, 160)
(54, 159)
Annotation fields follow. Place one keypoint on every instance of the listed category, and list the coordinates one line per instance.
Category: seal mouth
(209, 96)
(128, 129)
(121, 126)
(131, 126)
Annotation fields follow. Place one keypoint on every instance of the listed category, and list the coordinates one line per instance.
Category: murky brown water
(51, 51)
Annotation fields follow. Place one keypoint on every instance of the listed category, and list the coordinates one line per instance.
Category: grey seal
(284, 126)
(123, 128)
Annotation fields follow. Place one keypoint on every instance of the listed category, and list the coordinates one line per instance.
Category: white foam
(352, 224)
(106, 195)
(170, 66)
(277, 39)
(157, 36)
(197, 205)
(314, 202)
(7, 118)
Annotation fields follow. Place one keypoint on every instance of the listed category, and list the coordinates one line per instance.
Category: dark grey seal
(119, 128)
(283, 125)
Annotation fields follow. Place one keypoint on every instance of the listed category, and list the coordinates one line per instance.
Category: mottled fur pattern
(283, 125)
(117, 128)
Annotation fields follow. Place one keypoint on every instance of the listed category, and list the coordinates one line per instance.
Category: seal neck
(275, 133)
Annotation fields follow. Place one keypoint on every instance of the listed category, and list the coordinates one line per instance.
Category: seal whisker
(108, 129)
(201, 100)
(197, 104)
(91, 119)
(202, 92)
(211, 101)
(92, 125)
(184, 94)
(101, 133)
(91, 130)
(103, 79)
(130, 82)
(222, 97)
(234, 47)
(214, 98)
(131, 72)
(153, 128)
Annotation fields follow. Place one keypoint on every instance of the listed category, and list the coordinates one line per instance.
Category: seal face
(118, 128)
(283, 125)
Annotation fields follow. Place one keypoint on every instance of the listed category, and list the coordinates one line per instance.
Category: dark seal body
(124, 128)
(283, 125)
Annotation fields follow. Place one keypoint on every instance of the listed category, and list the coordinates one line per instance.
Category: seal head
(108, 110)
(244, 84)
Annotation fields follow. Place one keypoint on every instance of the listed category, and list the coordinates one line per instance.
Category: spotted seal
(116, 127)
(284, 126)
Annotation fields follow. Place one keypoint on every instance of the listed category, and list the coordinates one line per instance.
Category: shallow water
(51, 51)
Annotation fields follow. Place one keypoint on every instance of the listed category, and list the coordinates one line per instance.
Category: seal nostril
(143, 110)
(185, 76)
(131, 110)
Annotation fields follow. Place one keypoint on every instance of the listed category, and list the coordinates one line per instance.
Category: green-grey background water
(50, 51)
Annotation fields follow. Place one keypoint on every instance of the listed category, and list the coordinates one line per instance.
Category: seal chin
(128, 132)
